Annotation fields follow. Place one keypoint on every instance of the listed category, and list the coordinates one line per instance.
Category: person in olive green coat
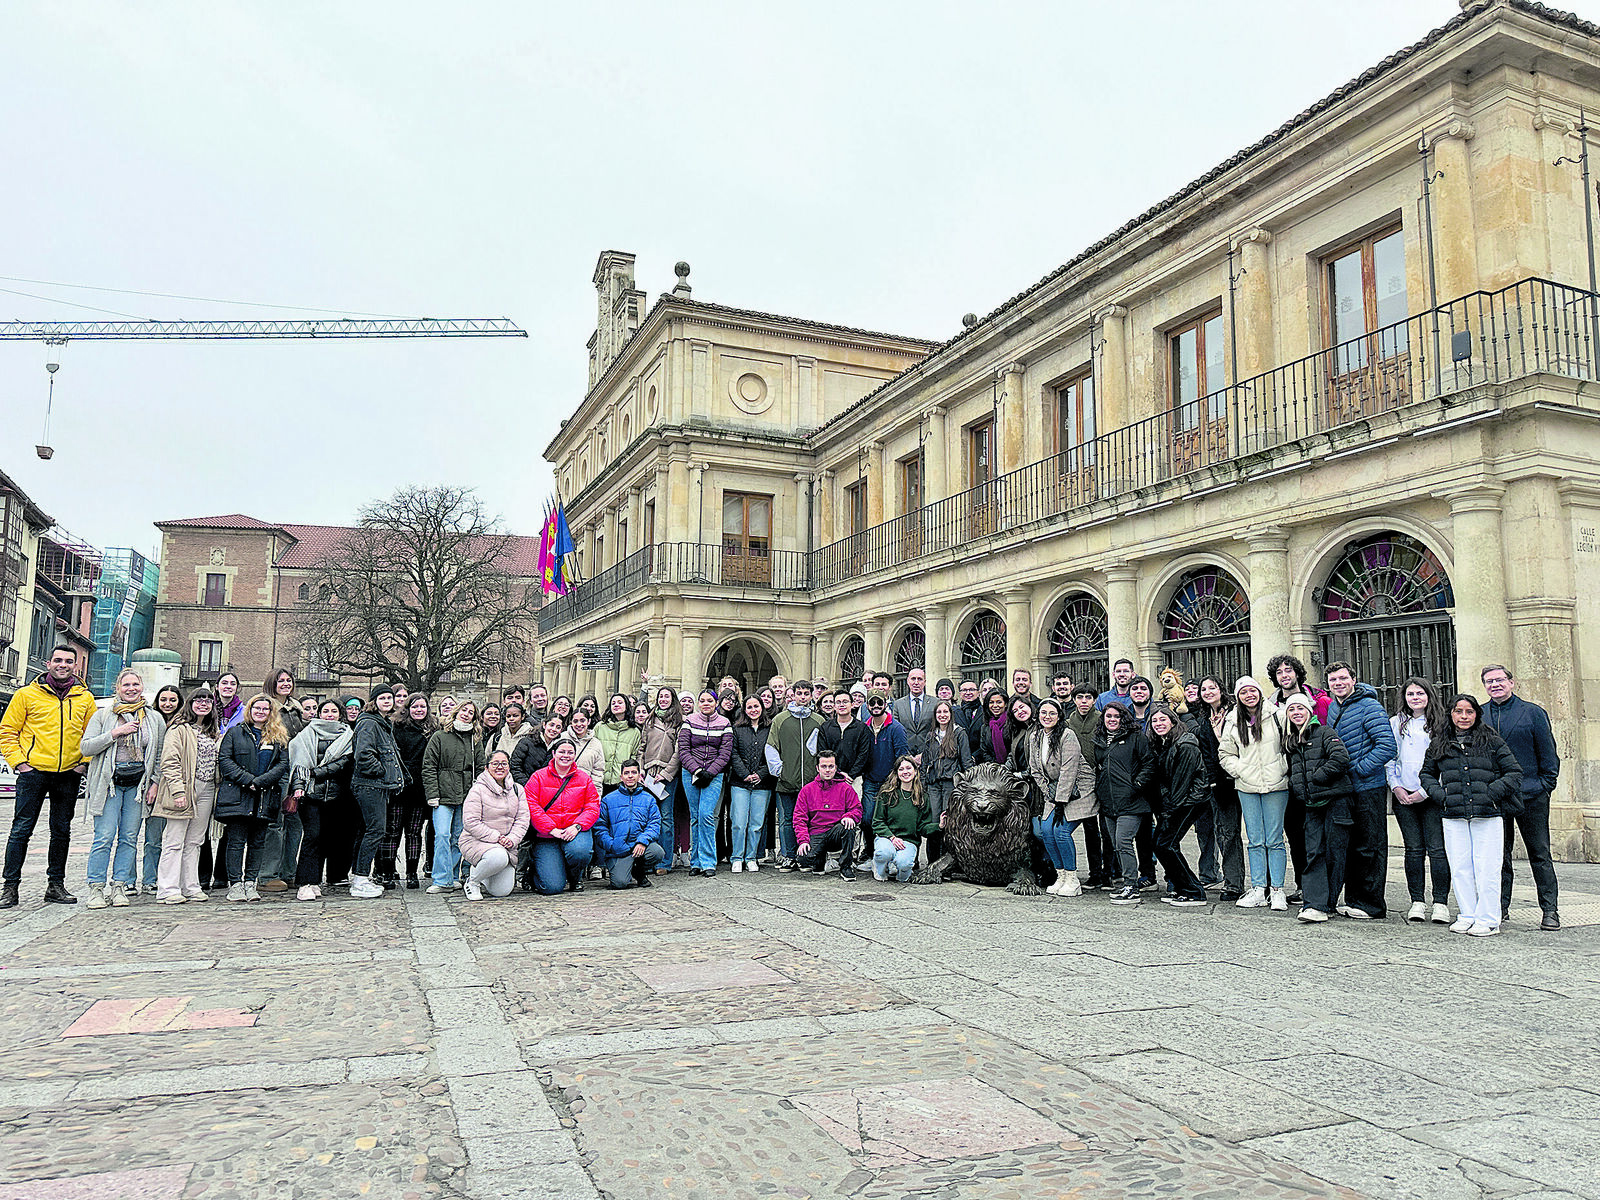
(619, 738)
(451, 764)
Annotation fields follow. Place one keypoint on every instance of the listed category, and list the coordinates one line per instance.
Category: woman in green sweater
(619, 737)
(901, 820)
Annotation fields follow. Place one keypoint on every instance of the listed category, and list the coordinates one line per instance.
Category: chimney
(619, 307)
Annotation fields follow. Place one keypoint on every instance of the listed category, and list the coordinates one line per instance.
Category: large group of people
(272, 792)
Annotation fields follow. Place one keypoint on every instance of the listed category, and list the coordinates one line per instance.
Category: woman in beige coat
(185, 794)
(494, 820)
(1251, 750)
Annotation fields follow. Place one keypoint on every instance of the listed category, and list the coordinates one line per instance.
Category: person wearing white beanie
(1251, 750)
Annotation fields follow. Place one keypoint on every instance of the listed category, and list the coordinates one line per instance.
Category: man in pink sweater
(826, 813)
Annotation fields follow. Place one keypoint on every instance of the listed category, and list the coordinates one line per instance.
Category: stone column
(1111, 377)
(936, 451)
(692, 671)
(672, 511)
(1483, 626)
(872, 639)
(1010, 435)
(697, 501)
(826, 533)
(877, 483)
(1269, 597)
(1252, 420)
(800, 653)
(1455, 232)
(937, 661)
(822, 657)
(670, 659)
(613, 552)
(1019, 632)
(635, 520)
(1122, 612)
(802, 512)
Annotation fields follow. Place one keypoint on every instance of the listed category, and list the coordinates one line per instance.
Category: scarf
(997, 737)
(64, 686)
(800, 710)
(462, 726)
(130, 708)
(229, 709)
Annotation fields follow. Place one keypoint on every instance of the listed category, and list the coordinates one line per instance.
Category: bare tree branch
(420, 590)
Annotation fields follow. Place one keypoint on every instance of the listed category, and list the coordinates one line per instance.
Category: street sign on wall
(595, 657)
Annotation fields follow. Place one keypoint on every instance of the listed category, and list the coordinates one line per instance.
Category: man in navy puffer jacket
(1357, 717)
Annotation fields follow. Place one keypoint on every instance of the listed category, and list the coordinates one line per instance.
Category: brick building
(229, 589)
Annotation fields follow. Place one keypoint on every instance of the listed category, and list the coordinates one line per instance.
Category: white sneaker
(1254, 898)
(1311, 915)
(1461, 925)
(878, 873)
(175, 898)
(251, 892)
(236, 893)
(1441, 914)
(1418, 912)
(119, 895)
(97, 896)
(738, 865)
(363, 888)
(751, 865)
(435, 890)
(473, 891)
(1279, 902)
(306, 892)
(1483, 929)
(1070, 885)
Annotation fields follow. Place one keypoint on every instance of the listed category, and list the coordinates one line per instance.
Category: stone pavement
(789, 1036)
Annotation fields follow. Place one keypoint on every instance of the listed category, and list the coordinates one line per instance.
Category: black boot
(641, 874)
(411, 882)
(8, 896)
(56, 894)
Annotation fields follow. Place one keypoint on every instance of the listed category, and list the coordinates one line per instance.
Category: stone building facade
(22, 524)
(229, 586)
(1336, 397)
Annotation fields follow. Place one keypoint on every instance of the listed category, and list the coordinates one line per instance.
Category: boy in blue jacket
(626, 833)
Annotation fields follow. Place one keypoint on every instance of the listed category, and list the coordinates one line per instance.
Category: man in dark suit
(914, 710)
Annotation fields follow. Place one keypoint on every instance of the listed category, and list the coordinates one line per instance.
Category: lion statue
(1171, 681)
(988, 830)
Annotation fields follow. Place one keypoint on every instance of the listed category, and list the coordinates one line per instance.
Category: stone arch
(980, 644)
(1047, 612)
(1078, 640)
(1205, 622)
(851, 658)
(1309, 574)
(907, 648)
(1165, 583)
(748, 655)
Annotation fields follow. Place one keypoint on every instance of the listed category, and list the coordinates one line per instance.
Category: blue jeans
(1059, 847)
(703, 802)
(118, 822)
(554, 860)
(669, 800)
(1263, 831)
(788, 847)
(886, 857)
(749, 816)
(154, 827)
(446, 844)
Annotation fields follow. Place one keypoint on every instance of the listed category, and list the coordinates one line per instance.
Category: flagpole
(561, 505)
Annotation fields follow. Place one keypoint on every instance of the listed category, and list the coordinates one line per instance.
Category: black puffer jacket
(377, 757)
(1319, 771)
(1124, 771)
(749, 758)
(1223, 788)
(241, 791)
(1181, 775)
(530, 756)
(1472, 776)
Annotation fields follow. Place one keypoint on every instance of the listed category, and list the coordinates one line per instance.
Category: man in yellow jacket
(39, 737)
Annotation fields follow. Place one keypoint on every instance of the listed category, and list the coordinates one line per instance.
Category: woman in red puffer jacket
(563, 805)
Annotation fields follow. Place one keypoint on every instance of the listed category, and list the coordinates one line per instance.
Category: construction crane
(59, 333)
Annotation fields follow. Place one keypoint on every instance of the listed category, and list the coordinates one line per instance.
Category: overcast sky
(890, 166)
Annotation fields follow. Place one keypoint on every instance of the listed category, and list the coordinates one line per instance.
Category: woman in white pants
(494, 820)
(185, 793)
(1475, 779)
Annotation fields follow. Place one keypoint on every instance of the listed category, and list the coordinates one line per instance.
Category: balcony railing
(728, 566)
(1531, 327)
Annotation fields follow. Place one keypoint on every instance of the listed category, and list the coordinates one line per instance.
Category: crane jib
(58, 331)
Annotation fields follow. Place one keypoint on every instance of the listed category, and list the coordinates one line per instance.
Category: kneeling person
(628, 832)
(826, 814)
(494, 820)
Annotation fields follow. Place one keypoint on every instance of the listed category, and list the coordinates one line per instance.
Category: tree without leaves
(419, 590)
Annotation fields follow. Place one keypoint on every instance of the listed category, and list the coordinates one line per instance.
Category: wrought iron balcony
(1532, 327)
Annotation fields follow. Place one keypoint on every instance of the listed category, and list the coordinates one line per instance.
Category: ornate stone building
(1334, 397)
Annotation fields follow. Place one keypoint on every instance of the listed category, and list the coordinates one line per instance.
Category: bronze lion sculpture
(988, 830)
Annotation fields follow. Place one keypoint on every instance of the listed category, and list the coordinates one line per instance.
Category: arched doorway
(983, 650)
(1205, 629)
(747, 660)
(1080, 643)
(910, 652)
(852, 660)
(1386, 610)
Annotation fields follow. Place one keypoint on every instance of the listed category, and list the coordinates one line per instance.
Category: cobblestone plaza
(790, 1036)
